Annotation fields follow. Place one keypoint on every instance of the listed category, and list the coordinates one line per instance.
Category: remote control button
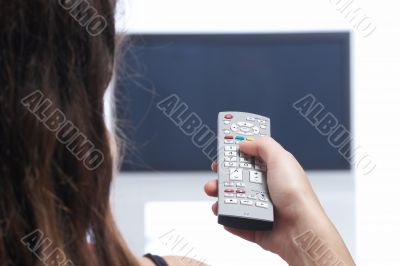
(263, 126)
(229, 190)
(245, 160)
(260, 167)
(252, 197)
(246, 202)
(240, 195)
(228, 137)
(229, 141)
(227, 131)
(240, 191)
(249, 134)
(245, 124)
(227, 122)
(230, 159)
(261, 121)
(227, 184)
(230, 164)
(239, 137)
(258, 161)
(245, 129)
(244, 165)
(229, 195)
(227, 159)
(236, 174)
(256, 177)
(231, 201)
(245, 157)
(228, 116)
(231, 148)
(256, 130)
(262, 205)
(249, 138)
(240, 184)
(230, 153)
(250, 118)
(263, 198)
(234, 127)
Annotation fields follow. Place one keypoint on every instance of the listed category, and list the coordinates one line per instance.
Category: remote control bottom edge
(244, 223)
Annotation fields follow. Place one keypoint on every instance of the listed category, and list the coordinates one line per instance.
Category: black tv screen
(199, 75)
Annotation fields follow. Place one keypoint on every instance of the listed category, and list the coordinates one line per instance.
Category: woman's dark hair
(56, 61)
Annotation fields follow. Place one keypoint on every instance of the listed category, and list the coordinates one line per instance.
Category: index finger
(211, 188)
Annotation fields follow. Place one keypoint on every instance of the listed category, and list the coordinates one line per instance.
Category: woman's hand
(297, 208)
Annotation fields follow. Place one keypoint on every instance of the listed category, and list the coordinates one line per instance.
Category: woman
(57, 59)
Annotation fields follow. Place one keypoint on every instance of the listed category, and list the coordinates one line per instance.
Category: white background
(376, 89)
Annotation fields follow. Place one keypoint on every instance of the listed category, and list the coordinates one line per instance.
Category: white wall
(376, 95)
(168, 213)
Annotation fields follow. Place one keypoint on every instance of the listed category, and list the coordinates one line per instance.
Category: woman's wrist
(308, 225)
(313, 240)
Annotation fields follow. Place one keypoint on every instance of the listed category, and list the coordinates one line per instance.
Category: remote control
(243, 199)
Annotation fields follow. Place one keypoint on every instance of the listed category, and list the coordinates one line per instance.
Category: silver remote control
(243, 200)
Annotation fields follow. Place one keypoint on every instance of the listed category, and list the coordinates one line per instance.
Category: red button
(229, 190)
(228, 116)
(240, 191)
(228, 137)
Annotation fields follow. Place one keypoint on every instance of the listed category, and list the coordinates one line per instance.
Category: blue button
(239, 138)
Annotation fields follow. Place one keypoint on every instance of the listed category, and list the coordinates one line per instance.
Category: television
(163, 80)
